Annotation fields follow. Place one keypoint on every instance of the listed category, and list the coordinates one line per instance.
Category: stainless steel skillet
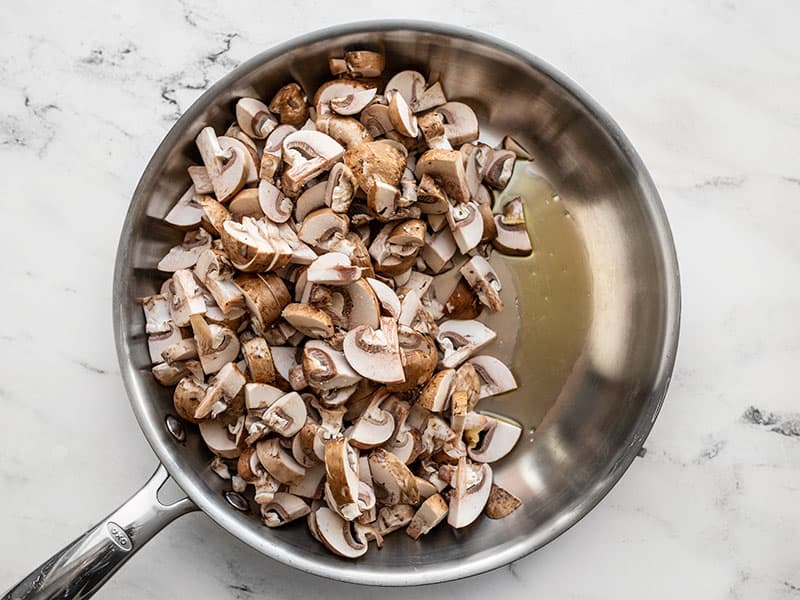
(593, 339)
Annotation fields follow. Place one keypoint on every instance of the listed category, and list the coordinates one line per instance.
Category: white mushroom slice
(432, 97)
(186, 298)
(375, 354)
(392, 518)
(394, 482)
(340, 188)
(284, 508)
(496, 377)
(311, 321)
(405, 442)
(226, 168)
(200, 179)
(509, 143)
(185, 255)
(170, 374)
(432, 127)
(189, 392)
(302, 254)
(185, 349)
(323, 228)
(431, 196)
(336, 397)
(471, 489)
(158, 342)
(361, 305)
(512, 239)
(342, 92)
(311, 199)
(260, 396)
(426, 488)
(221, 390)
(409, 308)
(284, 358)
(266, 487)
(375, 425)
(403, 120)
(383, 199)
(336, 534)
(307, 153)
(311, 486)
(216, 345)
(366, 493)
(326, 368)
(484, 280)
(409, 84)
(271, 159)
(460, 339)
(439, 250)
(436, 393)
(461, 124)
(216, 272)
(501, 503)
(390, 303)
(419, 282)
(248, 155)
(466, 223)
(219, 441)
(254, 118)
(352, 103)
(499, 436)
(187, 213)
(276, 206)
(376, 119)
(446, 167)
(333, 268)
(287, 415)
(342, 486)
(278, 462)
(498, 168)
(156, 314)
(430, 514)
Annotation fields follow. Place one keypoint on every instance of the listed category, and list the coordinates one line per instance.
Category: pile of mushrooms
(320, 324)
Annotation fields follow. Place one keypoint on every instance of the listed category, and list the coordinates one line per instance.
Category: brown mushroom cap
(375, 161)
(419, 356)
(258, 357)
(187, 396)
(432, 512)
(290, 104)
(501, 503)
(313, 322)
(436, 394)
(447, 168)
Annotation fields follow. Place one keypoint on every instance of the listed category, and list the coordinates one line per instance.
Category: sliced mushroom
(496, 377)
(185, 255)
(265, 297)
(284, 508)
(276, 206)
(419, 357)
(226, 168)
(185, 349)
(258, 357)
(436, 394)
(392, 518)
(312, 484)
(187, 396)
(432, 512)
(484, 280)
(431, 198)
(218, 439)
(405, 442)
(376, 119)
(336, 534)
(375, 354)
(290, 104)
(222, 389)
(432, 127)
(214, 214)
(353, 102)
(326, 368)
(311, 199)
(374, 162)
(439, 250)
(496, 438)
(313, 322)
(278, 462)
(341, 466)
(187, 213)
(498, 168)
(216, 272)
(364, 63)
(171, 373)
(247, 153)
(461, 124)
(286, 416)
(446, 167)
(463, 302)
(260, 396)
(307, 153)
(512, 234)
(471, 489)
(346, 130)
(501, 503)
(340, 188)
(460, 339)
(216, 345)
(271, 158)
(426, 488)
(323, 228)
(333, 268)
(509, 143)
(158, 342)
(389, 302)
(394, 482)
(156, 313)
(343, 92)
(432, 97)
(200, 179)
(375, 425)
(254, 118)
(403, 120)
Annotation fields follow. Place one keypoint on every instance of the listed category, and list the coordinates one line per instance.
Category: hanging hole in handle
(170, 493)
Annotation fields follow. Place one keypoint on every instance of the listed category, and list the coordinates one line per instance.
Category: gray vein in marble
(794, 180)
(512, 569)
(31, 129)
(787, 424)
(711, 452)
(791, 587)
(104, 56)
(91, 368)
(720, 182)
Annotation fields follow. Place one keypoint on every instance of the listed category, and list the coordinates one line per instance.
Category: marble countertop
(706, 91)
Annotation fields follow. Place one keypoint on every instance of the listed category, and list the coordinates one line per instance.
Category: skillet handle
(80, 569)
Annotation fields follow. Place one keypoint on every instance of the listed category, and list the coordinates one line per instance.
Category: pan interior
(591, 322)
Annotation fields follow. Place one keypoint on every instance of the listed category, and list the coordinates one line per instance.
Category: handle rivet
(236, 500)
(175, 428)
